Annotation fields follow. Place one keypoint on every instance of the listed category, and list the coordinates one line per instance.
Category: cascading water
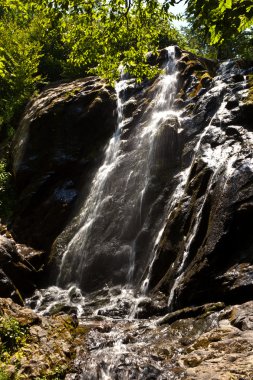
(118, 226)
(134, 196)
(113, 234)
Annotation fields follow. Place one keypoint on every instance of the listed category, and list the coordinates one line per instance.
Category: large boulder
(59, 142)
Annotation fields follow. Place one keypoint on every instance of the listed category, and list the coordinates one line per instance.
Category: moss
(205, 79)
(68, 95)
(194, 62)
(4, 375)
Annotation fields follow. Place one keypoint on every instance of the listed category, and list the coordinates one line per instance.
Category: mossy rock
(34, 347)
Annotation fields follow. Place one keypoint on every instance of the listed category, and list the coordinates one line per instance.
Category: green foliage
(101, 38)
(4, 375)
(19, 58)
(12, 336)
(197, 44)
(222, 19)
(44, 40)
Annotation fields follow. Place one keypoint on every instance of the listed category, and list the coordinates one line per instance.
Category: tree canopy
(222, 18)
(46, 40)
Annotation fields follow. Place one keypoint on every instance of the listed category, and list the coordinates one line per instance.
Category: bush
(19, 60)
(12, 335)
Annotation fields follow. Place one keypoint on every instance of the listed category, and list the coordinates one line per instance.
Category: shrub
(12, 335)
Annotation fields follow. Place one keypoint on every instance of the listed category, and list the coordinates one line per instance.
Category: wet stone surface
(207, 347)
(210, 341)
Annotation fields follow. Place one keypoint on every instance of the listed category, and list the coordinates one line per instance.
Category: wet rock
(8, 289)
(205, 253)
(242, 317)
(161, 56)
(232, 103)
(238, 77)
(31, 256)
(190, 312)
(151, 58)
(59, 142)
(147, 307)
(166, 150)
(206, 347)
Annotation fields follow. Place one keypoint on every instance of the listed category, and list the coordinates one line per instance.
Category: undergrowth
(13, 335)
(4, 375)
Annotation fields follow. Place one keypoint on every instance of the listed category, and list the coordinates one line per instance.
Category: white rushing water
(112, 232)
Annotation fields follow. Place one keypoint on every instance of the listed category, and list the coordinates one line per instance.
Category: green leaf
(228, 4)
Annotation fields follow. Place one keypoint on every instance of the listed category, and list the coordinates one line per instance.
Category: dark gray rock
(59, 142)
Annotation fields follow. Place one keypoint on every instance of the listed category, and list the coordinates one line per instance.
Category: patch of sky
(179, 9)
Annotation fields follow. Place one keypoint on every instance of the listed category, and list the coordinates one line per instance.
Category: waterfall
(171, 198)
(113, 242)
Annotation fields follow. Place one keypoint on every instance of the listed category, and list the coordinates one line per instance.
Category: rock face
(206, 250)
(224, 352)
(59, 142)
(111, 239)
